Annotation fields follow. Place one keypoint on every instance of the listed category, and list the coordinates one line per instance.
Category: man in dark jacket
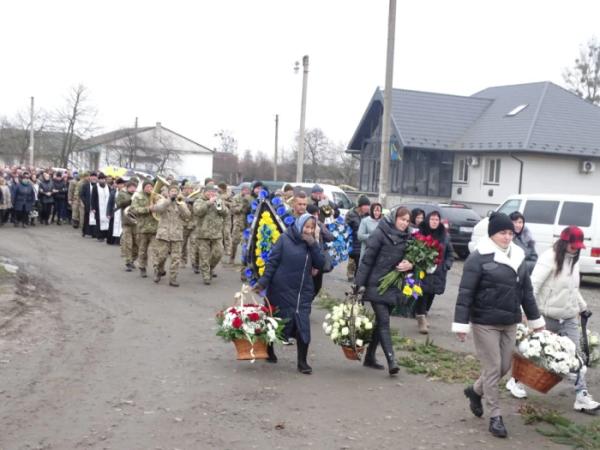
(494, 286)
(24, 198)
(353, 219)
(60, 197)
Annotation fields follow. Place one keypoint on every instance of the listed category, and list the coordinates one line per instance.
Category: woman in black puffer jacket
(494, 286)
(384, 253)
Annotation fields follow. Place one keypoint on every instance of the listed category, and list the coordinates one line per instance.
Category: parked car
(546, 215)
(333, 193)
(458, 219)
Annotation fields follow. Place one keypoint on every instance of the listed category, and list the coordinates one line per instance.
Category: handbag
(328, 265)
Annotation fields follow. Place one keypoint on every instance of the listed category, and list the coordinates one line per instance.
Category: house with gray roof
(527, 138)
(154, 149)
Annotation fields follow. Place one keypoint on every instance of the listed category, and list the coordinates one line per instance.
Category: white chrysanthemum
(368, 326)
(345, 331)
(359, 342)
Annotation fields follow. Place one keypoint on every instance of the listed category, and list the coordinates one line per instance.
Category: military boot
(143, 273)
(157, 276)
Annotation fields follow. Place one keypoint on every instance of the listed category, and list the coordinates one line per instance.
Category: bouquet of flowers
(249, 326)
(424, 253)
(594, 346)
(339, 248)
(349, 325)
(557, 354)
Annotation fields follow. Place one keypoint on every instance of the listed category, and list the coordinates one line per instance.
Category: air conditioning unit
(587, 166)
(473, 161)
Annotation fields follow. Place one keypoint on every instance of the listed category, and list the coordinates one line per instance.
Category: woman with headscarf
(434, 283)
(289, 283)
(384, 253)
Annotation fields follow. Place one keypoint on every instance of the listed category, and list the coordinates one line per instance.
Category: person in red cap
(555, 280)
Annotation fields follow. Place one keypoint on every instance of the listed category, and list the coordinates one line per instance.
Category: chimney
(158, 130)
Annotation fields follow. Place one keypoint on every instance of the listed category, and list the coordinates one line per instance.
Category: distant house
(14, 147)
(526, 138)
(148, 149)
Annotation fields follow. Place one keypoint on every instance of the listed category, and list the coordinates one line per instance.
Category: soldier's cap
(210, 188)
(317, 189)
(174, 186)
(132, 183)
(187, 184)
(146, 183)
(245, 185)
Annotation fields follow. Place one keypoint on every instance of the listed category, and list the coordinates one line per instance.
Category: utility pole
(31, 135)
(384, 159)
(276, 139)
(300, 162)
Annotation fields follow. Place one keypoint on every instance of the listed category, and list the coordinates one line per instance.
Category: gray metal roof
(554, 121)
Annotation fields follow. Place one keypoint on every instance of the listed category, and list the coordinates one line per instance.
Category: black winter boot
(303, 366)
(370, 360)
(497, 427)
(271, 352)
(388, 349)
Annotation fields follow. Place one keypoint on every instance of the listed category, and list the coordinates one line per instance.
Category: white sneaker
(584, 402)
(516, 389)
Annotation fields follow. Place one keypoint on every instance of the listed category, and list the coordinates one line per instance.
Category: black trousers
(45, 210)
(382, 328)
(423, 305)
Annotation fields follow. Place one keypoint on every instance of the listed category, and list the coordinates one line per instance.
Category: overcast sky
(201, 66)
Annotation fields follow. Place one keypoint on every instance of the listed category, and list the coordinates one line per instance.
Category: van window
(540, 211)
(341, 201)
(576, 213)
(510, 206)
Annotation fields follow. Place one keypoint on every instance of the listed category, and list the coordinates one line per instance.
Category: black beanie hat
(499, 222)
(363, 200)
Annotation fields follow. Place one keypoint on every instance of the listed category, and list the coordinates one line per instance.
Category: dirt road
(103, 359)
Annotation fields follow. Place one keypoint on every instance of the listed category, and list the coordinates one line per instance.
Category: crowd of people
(173, 223)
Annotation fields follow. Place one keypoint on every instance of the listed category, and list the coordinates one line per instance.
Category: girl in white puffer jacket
(555, 280)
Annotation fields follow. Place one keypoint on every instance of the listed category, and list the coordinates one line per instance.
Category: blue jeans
(569, 328)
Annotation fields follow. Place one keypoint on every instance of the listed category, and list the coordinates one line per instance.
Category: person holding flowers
(495, 285)
(555, 281)
(384, 252)
(288, 281)
(434, 283)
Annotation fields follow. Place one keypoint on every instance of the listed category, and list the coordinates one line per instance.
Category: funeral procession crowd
(172, 224)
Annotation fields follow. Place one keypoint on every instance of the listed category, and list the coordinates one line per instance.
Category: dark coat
(493, 288)
(46, 188)
(526, 242)
(435, 283)
(289, 282)
(62, 187)
(86, 198)
(385, 249)
(24, 197)
(353, 219)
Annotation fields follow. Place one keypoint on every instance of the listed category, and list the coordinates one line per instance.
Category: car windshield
(466, 214)
(341, 200)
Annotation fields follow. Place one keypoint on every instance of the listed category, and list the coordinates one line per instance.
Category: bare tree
(583, 78)
(228, 144)
(15, 136)
(76, 120)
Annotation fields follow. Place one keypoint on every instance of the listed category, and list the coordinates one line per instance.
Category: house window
(427, 173)
(492, 171)
(462, 171)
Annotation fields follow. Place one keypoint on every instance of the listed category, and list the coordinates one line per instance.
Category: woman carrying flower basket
(494, 286)
(434, 283)
(555, 281)
(289, 284)
(384, 252)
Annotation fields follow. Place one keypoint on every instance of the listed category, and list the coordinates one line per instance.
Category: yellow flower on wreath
(421, 275)
(261, 271)
(260, 262)
(418, 289)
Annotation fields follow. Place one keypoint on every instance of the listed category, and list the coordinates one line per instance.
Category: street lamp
(300, 161)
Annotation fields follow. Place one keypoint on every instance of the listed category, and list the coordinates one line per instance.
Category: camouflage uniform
(188, 241)
(73, 200)
(146, 227)
(240, 208)
(129, 245)
(226, 198)
(169, 236)
(209, 235)
(77, 196)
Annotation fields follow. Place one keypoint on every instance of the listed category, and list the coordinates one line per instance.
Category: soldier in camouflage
(73, 201)
(77, 207)
(173, 213)
(209, 213)
(146, 224)
(129, 246)
(240, 208)
(226, 198)
(188, 226)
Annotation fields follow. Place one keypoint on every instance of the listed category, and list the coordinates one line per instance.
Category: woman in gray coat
(368, 225)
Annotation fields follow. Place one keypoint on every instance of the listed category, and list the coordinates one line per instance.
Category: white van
(333, 193)
(546, 215)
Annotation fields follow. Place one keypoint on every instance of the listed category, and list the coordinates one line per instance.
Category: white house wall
(199, 165)
(545, 174)
(476, 193)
